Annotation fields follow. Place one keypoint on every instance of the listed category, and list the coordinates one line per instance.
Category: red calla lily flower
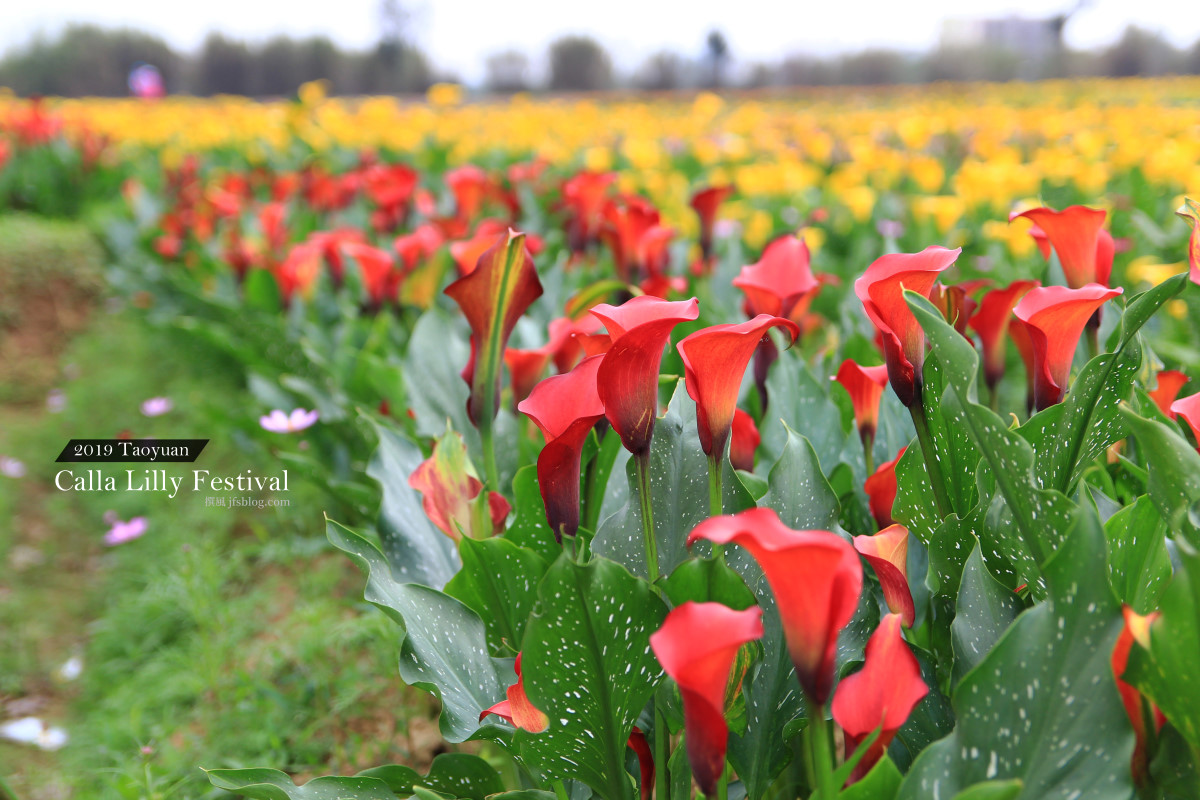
(696, 646)
(887, 553)
(330, 244)
(744, 441)
(298, 272)
(881, 290)
(379, 275)
(565, 408)
(816, 578)
(450, 491)
(705, 203)
(466, 253)
(1085, 249)
(714, 360)
(1189, 409)
(1169, 383)
(1137, 629)
(1054, 317)
(1020, 337)
(865, 387)
(641, 748)
(626, 223)
(418, 246)
(956, 305)
(517, 710)
(1191, 212)
(628, 377)
(881, 490)
(525, 367)
(586, 195)
(493, 297)
(880, 695)
(781, 282)
(470, 186)
(991, 320)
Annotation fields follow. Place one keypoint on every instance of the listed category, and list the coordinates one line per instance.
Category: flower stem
(723, 785)
(934, 468)
(662, 752)
(817, 734)
(868, 443)
(715, 504)
(486, 438)
(642, 464)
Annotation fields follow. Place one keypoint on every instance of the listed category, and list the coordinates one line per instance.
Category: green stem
(1093, 338)
(715, 505)
(642, 463)
(932, 465)
(868, 443)
(723, 785)
(817, 734)
(662, 753)
(486, 438)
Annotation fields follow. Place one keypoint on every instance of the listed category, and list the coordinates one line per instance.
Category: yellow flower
(444, 95)
(1148, 269)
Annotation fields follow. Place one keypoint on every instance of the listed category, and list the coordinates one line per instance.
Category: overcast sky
(459, 34)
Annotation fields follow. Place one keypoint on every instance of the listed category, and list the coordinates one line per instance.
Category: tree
(508, 72)
(224, 67)
(718, 56)
(661, 72)
(579, 64)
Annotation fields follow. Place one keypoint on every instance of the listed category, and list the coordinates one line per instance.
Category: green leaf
(271, 784)
(881, 783)
(1174, 466)
(587, 665)
(261, 291)
(1169, 672)
(459, 775)
(801, 403)
(498, 581)
(1031, 526)
(679, 493)
(416, 550)
(1042, 706)
(707, 580)
(1069, 436)
(797, 488)
(529, 527)
(437, 351)
(992, 790)
(1139, 566)
(955, 447)
(984, 611)
(443, 648)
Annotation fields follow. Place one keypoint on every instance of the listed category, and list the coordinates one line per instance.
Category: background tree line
(85, 60)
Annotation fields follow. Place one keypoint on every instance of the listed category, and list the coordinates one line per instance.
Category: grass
(218, 639)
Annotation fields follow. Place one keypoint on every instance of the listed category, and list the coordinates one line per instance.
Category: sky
(460, 34)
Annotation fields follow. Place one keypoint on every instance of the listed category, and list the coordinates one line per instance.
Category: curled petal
(1074, 233)
(991, 320)
(815, 576)
(1136, 630)
(880, 487)
(1169, 383)
(744, 441)
(781, 283)
(1189, 409)
(865, 386)
(887, 553)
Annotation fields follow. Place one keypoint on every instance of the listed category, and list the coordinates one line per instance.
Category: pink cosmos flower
(11, 467)
(122, 532)
(157, 406)
(279, 422)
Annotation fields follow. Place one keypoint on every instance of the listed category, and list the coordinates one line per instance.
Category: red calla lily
(881, 290)
(330, 244)
(1020, 337)
(493, 297)
(565, 408)
(991, 320)
(880, 695)
(714, 360)
(705, 203)
(517, 710)
(469, 185)
(881, 490)
(744, 441)
(466, 253)
(816, 578)
(626, 223)
(697, 645)
(865, 387)
(586, 195)
(1191, 212)
(1054, 317)
(379, 275)
(1084, 248)
(781, 282)
(1137, 629)
(628, 377)
(450, 491)
(887, 553)
(641, 748)
(956, 305)
(418, 246)
(1169, 383)
(298, 272)
(1189, 409)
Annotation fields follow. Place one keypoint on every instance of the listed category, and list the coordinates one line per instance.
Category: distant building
(1035, 39)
